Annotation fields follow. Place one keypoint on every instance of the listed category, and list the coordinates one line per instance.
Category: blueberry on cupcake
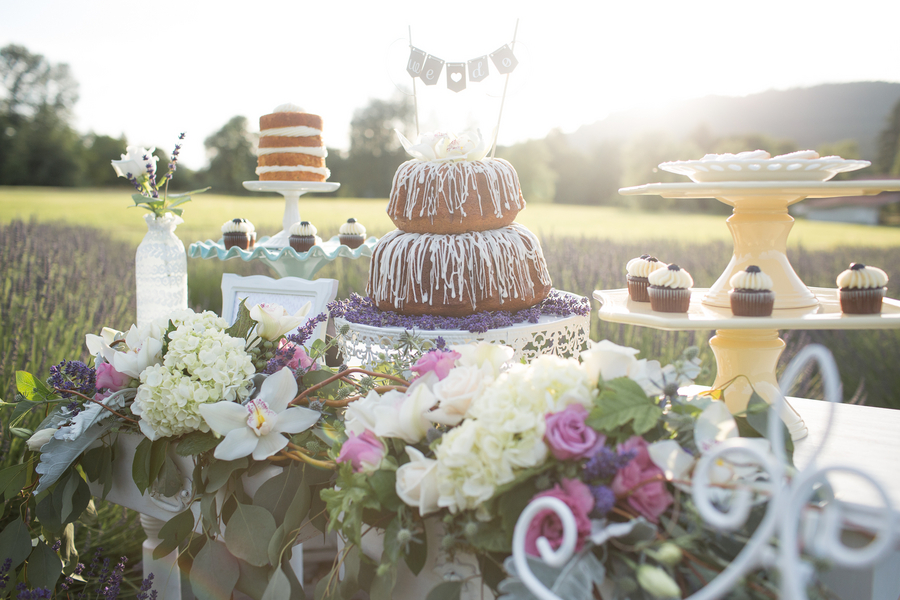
(303, 236)
(670, 289)
(240, 233)
(637, 271)
(752, 295)
(352, 233)
(861, 289)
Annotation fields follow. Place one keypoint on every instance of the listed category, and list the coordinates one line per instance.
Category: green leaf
(248, 532)
(140, 466)
(622, 401)
(279, 587)
(448, 590)
(191, 193)
(214, 572)
(16, 543)
(299, 508)
(383, 585)
(208, 513)
(253, 580)
(23, 407)
(158, 451)
(195, 443)
(176, 530)
(418, 553)
(169, 482)
(44, 567)
(385, 485)
(220, 471)
(21, 432)
(243, 324)
(758, 419)
(277, 493)
(12, 480)
(276, 545)
(33, 388)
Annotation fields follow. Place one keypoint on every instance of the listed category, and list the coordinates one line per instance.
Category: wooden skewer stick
(503, 99)
(415, 98)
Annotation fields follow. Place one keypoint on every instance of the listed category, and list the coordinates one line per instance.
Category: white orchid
(142, 348)
(273, 321)
(257, 428)
(137, 162)
(469, 146)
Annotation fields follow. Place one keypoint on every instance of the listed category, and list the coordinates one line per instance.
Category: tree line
(38, 146)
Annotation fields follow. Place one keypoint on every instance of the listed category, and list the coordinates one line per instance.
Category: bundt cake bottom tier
(457, 275)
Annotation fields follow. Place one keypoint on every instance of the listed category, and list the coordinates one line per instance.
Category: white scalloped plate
(770, 169)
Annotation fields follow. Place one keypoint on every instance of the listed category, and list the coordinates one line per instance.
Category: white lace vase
(160, 269)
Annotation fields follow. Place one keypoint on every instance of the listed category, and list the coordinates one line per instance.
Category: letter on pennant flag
(504, 59)
(416, 61)
(432, 70)
(456, 77)
(478, 68)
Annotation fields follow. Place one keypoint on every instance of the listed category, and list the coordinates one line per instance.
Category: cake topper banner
(428, 67)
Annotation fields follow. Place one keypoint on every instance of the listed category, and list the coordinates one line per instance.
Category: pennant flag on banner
(456, 77)
(504, 59)
(431, 70)
(415, 62)
(478, 68)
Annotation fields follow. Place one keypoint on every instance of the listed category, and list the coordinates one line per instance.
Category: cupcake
(353, 234)
(240, 233)
(752, 295)
(670, 289)
(637, 271)
(861, 289)
(303, 236)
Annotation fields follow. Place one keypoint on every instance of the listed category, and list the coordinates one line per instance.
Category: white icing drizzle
(319, 151)
(297, 131)
(458, 179)
(742, 280)
(473, 266)
(867, 277)
(319, 170)
(304, 228)
(641, 267)
(679, 279)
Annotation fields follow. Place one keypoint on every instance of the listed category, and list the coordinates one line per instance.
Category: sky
(151, 70)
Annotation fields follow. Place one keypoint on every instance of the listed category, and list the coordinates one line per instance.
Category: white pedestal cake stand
(291, 190)
(750, 346)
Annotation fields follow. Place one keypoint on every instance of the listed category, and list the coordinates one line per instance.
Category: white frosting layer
(458, 179)
(288, 108)
(303, 228)
(867, 277)
(642, 267)
(671, 279)
(352, 229)
(319, 151)
(473, 265)
(320, 170)
(242, 226)
(742, 280)
(296, 131)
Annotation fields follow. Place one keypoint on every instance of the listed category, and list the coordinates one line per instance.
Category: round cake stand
(285, 261)
(760, 225)
(291, 190)
(747, 348)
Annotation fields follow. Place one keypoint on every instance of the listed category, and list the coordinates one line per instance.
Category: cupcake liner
(752, 303)
(671, 300)
(861, 301)
(637, 288)
(352, 241)
(244, 241)
(302, 243)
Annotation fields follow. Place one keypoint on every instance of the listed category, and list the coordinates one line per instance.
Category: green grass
(204, 216)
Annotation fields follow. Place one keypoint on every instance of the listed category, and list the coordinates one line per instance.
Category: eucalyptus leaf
(16, 542)
(214, 572)
(248, 532)
(447, 590)
(158, 450)
(140, 465)
(219, 471)
(176, 530)
(574, 581)
(196, 442)
(44, 567)
(277, 493)
(12, 480)
(279, 587)
(253, 580)
(58, 454)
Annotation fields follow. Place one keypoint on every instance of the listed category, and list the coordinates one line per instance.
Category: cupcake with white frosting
(637, 271)
(303, 236)
(861, 289)
(670, 289)
(352, 233)
(752, 294)
(240, 233)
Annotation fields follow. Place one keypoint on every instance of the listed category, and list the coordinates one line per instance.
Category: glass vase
(160, 269)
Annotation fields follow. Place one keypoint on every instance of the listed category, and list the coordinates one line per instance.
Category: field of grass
(106, 209)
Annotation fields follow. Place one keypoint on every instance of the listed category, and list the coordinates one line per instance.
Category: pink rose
(650, 499)
(578, 498)
(568, 436)
(300, 359)
(364, 451)
(109, 378)
(438, 361)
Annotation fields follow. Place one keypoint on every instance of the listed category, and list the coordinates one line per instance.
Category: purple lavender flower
(604, 500)
(146, 585)
(73, 375)
(605, 463)
(4, 573)
(304, 333)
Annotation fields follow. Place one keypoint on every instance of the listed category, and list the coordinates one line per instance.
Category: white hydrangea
(203, 364)
(504, 429)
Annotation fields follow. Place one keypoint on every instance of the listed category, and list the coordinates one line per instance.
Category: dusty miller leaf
(57, 454)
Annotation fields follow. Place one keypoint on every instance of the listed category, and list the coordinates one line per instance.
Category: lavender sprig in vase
(160, 260)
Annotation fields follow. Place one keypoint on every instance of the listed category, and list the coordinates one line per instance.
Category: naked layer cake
(291, 146)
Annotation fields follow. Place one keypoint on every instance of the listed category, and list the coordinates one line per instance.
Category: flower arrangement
(139, 166)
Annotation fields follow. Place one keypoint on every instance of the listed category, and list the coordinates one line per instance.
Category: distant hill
(809, 116)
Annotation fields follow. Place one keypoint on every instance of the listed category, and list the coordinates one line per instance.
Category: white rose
(40, 437)
(405, 419)
(457, 390)
(610, 361)
(417, 483)
(360, 415)
(484, 353)
(134, 163)
(273, 321)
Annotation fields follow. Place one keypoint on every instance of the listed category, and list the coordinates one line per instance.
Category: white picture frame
(290, 292)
